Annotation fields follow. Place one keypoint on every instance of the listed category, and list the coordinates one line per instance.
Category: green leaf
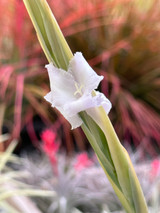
(90, 128)
(49, 34)
(99, 144)
(7, 154)
(136, 192)
(121, 160)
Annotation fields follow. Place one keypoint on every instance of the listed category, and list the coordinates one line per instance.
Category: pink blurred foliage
(20, 23)
(18, 104)
(94, 28)
(22, 75)
(20, 65)
(82, 161)
(6, 72)
(131, 32)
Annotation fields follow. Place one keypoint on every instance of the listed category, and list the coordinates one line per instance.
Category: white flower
(71, 92)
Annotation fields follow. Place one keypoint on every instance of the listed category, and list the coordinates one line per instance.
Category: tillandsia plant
(73, 94)
(13, 191)
(94, 195)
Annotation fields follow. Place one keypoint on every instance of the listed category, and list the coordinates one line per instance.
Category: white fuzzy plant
(87, 191)
(13, 192)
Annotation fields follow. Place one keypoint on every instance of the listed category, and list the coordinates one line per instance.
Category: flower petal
(62, 86)
(101, 101)
(49, 98)
(83, 73)
(81, 104)
(74, 120)
(86, 102)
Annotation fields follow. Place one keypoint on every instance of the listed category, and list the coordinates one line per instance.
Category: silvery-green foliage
(86, 191)
(13, 190)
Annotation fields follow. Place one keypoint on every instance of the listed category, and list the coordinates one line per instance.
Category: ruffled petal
(83, 73)
(49, 98)
(74, 120)
(86, 102)
(62, 85)
(81, 104)
(103, 101)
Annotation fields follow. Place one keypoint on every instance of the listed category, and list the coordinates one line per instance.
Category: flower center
(78, 89)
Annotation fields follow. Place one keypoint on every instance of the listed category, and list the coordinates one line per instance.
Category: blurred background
(121, 41)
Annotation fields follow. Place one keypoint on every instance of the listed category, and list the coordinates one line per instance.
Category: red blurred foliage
(117, 38)
(20, 65)
(123, 46)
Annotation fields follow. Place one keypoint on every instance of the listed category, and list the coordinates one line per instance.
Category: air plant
(13, 191)
(86, 189)
(92, 195)
(92, 116)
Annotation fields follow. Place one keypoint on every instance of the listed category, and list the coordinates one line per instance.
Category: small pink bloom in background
(49, 141)
(155, 168)
(50, 146)
(48, 136)
(82, 162)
